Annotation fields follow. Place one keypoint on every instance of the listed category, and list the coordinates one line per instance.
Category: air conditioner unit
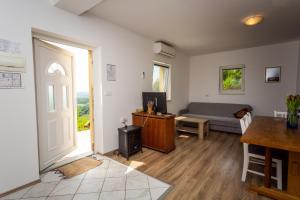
(11, 62)
(163, 49)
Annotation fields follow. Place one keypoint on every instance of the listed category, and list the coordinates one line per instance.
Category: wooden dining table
(272, 133)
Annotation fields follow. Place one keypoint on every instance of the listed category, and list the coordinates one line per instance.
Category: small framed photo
(273, 74)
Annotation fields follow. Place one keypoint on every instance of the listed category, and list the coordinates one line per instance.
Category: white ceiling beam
(77, 7)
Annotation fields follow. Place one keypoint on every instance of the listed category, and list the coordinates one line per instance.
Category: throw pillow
(240, 114)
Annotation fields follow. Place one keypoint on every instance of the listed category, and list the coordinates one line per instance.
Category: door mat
(78, 167)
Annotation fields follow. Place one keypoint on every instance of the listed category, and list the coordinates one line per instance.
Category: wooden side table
(158, 131)
(202, 130)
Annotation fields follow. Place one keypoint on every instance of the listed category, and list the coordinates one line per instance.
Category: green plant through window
(232, 79)
(160, 78)
(83, 111)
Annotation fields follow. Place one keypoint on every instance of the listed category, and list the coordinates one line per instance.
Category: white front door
(55, 110)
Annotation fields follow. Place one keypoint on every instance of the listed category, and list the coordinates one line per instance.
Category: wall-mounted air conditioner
(12, 62)
(163, 49)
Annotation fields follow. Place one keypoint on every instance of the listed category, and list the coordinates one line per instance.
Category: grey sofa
(220, 115)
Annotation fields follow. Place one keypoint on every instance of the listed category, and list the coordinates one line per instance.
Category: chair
(255, 154)
(280, 114)
(248, 118)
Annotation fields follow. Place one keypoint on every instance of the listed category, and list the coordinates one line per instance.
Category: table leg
(207, 128)
(294, 174)
(201, 130)
(268, 168)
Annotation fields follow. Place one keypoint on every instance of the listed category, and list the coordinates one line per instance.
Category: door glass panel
(56, 68)
(65, 97)
(51, 100)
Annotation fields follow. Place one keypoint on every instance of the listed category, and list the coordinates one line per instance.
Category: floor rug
(78, 167)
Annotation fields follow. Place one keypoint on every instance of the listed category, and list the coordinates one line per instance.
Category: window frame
(232, 91)
(51, 98)
(169, 86)
(59, 69)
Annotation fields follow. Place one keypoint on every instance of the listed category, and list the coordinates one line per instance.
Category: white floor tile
(105, 163)
(156, 193)
(66, 187)
(51, 177)
(78, 177)
(154, 183)
(137, 182)
(97, 172)
(133, 172)
(114, 184)
(16, 195)
(113, 164)
(114, 195)
(90, 196)
(90, 186)
(142, 194)
(40, 190)
(116, 172)
(64, 197)
(106, 181)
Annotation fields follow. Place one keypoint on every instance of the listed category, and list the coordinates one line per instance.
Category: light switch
(108, 93)
(143, 75)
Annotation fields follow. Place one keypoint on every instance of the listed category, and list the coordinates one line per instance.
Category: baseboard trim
(110, 153)
(20, 188)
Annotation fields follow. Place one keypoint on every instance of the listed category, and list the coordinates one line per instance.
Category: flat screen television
(159, 99)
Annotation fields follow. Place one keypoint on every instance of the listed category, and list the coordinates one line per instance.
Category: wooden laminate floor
(199, 169)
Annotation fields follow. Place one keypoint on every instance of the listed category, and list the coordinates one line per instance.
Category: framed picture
(111, 72)
(273, 74)
(232, 79)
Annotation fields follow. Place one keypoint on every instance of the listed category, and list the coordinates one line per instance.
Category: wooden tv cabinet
(158, 131)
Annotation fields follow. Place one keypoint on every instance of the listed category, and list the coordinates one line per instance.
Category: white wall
(130, 52)
(179, 79)
(264, 97)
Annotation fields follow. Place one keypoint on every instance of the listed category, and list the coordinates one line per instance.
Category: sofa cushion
(216, 109)
(218, 120)
(225, 129)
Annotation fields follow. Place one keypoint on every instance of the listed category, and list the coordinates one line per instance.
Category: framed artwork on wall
(111, 72)
(273, 74)
(232, 79)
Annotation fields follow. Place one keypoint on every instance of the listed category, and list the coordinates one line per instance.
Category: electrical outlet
(123, 119)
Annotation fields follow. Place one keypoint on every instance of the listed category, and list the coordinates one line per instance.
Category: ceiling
(205, 26)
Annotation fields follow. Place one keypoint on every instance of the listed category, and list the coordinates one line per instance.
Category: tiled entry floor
(111, 180)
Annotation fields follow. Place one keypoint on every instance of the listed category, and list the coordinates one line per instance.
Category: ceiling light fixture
(253, 20)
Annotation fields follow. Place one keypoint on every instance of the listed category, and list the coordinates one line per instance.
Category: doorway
(77, 97)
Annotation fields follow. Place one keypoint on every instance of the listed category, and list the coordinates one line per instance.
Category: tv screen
(159, 99)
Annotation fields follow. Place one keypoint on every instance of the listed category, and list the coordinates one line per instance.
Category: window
(56, 68)
(65, 97)
(161, 79)
(51, 100)
(232, 79)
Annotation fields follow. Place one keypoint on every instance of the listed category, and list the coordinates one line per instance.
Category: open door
(55, 111)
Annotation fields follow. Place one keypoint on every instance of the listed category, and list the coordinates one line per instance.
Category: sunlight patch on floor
(134, 165)
(83, 141)
(184, 136)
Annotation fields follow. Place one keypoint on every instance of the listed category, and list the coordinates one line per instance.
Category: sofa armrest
(183, 111)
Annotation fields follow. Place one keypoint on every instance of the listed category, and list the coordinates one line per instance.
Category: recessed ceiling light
(253, 20)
